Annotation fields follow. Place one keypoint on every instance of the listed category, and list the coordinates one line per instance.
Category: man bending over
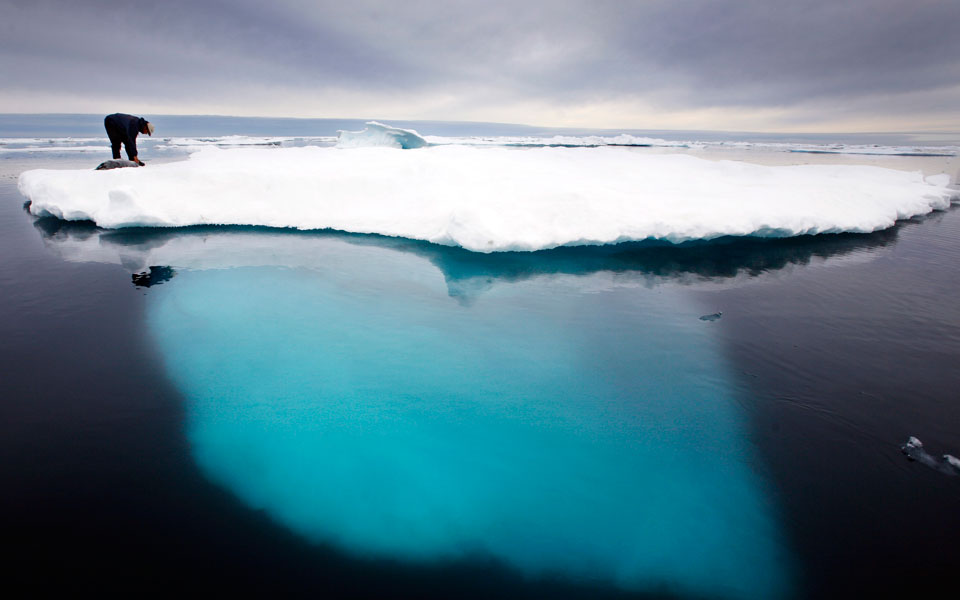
(123, 129)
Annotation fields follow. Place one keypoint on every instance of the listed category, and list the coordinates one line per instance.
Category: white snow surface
(490, 198)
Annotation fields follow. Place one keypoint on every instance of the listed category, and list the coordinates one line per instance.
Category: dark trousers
(116, 138)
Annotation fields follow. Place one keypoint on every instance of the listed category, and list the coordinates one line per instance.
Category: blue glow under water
(561, 425)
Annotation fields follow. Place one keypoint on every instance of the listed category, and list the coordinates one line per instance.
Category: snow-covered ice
(491, 198)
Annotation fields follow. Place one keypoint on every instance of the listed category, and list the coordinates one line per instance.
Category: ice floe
(491, 198)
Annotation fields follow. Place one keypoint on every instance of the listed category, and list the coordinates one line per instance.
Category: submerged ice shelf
(559, 428)
(491, 198)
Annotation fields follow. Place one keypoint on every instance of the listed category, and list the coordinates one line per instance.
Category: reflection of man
(123, 129)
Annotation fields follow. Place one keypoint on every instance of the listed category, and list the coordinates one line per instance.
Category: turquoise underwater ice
(564, 425)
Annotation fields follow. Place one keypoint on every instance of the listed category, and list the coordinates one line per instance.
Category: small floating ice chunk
(712, 317)
(949, 465)
(913, 449)
(378, 134)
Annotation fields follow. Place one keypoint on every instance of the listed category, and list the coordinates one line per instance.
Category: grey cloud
(681, 53)
(760, 52)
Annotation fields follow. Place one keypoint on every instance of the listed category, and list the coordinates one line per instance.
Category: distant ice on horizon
(491, 198)
(380, 135)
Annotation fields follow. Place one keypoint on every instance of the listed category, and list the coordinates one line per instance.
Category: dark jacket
(124, 129)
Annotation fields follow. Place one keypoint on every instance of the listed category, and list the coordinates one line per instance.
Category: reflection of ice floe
(467, 274)
(948, 464)
(380, 135)
(154, 275)
(492, 199)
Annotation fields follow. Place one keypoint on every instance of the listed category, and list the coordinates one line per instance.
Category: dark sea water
(258, 411)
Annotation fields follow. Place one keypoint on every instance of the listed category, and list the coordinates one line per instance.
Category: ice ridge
(378, 134)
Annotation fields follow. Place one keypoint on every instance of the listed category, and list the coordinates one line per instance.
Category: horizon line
(364, 119)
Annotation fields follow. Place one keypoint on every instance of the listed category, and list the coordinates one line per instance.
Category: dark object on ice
(123, 129)
(115, 163)
(949, 465)
(714, 317)
(153, 276)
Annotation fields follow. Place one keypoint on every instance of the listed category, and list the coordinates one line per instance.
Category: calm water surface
(347, 414)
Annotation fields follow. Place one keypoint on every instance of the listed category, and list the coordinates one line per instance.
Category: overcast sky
(751, 65)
